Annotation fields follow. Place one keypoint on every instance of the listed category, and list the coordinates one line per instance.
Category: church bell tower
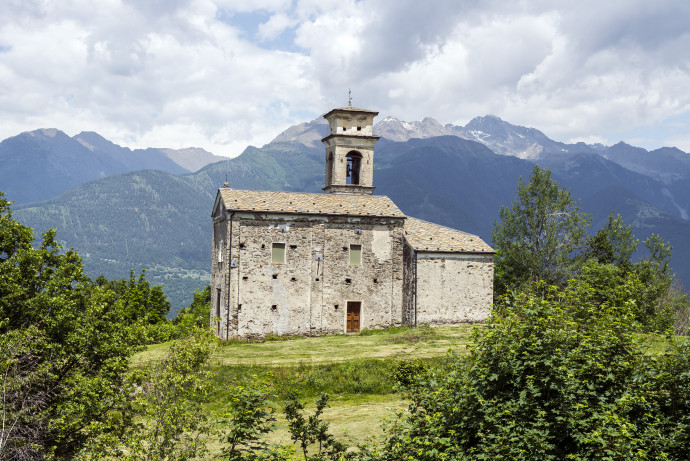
(350, 151)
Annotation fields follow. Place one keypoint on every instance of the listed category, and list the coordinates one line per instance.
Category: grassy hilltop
(355, 370)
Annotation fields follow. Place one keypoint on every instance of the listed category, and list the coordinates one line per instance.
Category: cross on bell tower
(350, 150)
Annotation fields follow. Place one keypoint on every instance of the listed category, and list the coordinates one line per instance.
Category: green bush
(553, 377)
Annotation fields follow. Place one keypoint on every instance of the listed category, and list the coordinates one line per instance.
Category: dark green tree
(654, 308)
(143, 304)
(197, 314)
(64, 348)
(612, 244)
(539, 236)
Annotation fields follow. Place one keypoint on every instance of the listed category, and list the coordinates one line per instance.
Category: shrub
(554, 377)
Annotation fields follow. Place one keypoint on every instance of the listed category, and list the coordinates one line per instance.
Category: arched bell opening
(354, 167)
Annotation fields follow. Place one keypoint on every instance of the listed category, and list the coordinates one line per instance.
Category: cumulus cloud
(208, 73)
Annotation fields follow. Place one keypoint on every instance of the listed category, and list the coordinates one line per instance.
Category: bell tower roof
(350, 109)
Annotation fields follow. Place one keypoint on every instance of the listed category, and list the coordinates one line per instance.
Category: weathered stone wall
(408, 317)
(219, 275)
(347, 123)
(301, 295)
(453, 288)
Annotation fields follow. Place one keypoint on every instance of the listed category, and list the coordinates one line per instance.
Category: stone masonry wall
(408, 286)
(454, 288)
(219, 276)
(301, 295)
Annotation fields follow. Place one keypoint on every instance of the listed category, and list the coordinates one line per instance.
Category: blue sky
(224, 74)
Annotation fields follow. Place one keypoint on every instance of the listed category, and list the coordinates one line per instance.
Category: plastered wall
(453, 288)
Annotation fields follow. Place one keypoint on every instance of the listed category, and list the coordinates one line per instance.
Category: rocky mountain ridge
(41, 164)
(161, 220)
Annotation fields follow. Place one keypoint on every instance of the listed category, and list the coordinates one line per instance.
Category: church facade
(338, 262)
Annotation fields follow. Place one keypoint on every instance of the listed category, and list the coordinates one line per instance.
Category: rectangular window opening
(355, 255)
(278, 253)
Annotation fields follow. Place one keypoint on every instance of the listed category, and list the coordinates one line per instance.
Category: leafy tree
(65, 352)
(249, 417)
(197, 314)
(608, 284)
(142, 303)
(653, 306)
(554, 377)
(22, 396)
(612, 244)
(539, 235)
(312, 429)
(167, 399)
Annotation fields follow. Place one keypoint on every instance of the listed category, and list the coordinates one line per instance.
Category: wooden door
(353, 313)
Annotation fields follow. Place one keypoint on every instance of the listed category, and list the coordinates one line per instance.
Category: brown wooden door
(353, 312)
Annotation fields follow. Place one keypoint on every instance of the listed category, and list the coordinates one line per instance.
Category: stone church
(341, 261)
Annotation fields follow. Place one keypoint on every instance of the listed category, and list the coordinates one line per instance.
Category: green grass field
(355, 370)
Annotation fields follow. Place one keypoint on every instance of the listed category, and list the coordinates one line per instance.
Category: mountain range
(41, 164)
(120, 214)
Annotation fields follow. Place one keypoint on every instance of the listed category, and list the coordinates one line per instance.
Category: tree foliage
(197, 314)
(144, 308)
(64, 351)
(538, 235)
(612, 244)
(541, 238)
(249, 417)
(559, 377)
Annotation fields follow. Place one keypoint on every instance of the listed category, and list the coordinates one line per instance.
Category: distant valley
(123, 208)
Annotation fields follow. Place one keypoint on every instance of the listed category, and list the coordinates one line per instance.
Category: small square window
(355, 255)
(278, 253)
(359, 128)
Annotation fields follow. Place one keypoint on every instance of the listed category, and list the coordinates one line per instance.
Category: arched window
(354, 167)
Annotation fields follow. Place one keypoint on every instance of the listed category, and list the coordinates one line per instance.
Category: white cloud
(275, 26)
(200, 72)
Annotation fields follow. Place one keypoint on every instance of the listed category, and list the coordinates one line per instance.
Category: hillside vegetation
(567, 366)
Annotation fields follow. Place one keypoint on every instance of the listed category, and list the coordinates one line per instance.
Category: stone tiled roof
(426, 236)
(302, 203)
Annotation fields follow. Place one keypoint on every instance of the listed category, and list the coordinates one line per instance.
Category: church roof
(426, 236)
(303, 203)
